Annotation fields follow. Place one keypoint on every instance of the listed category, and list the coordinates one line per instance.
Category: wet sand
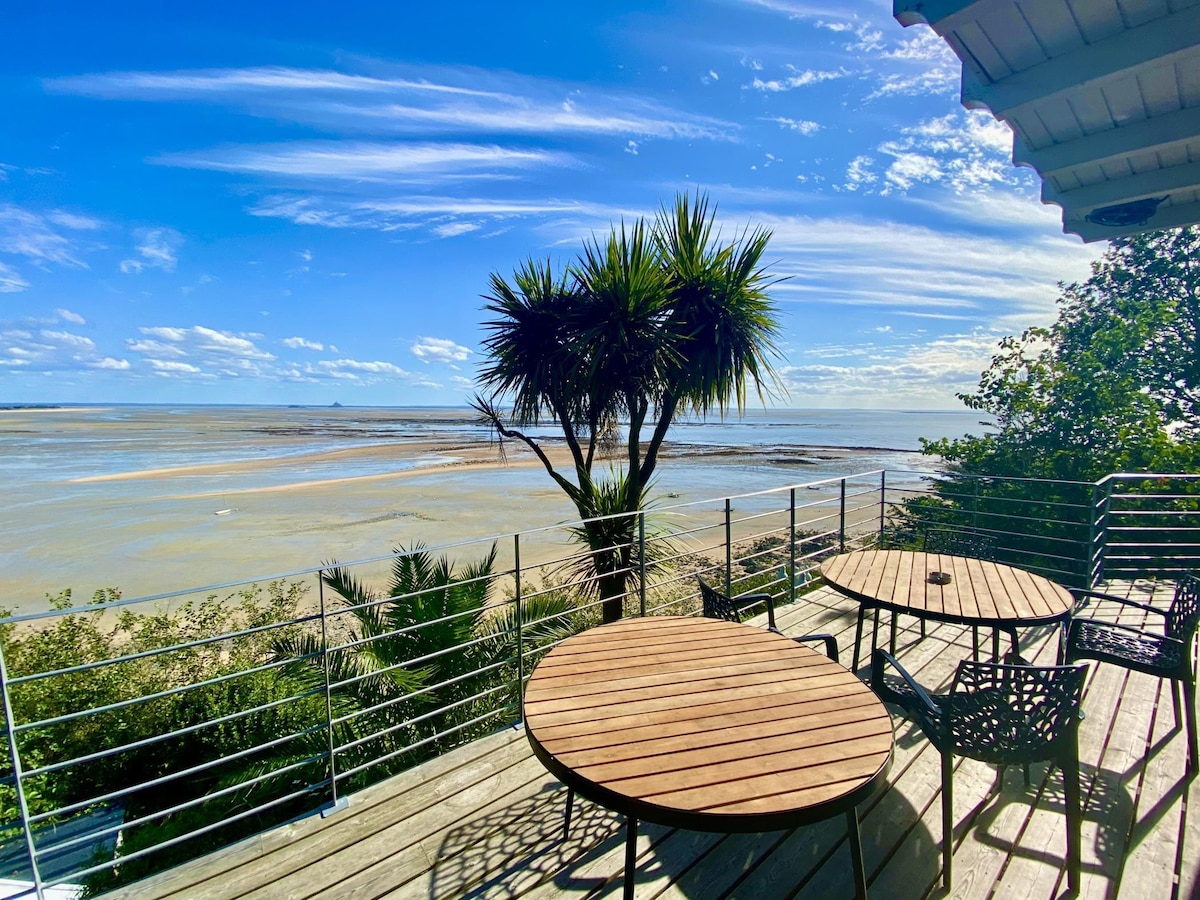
(161, 528)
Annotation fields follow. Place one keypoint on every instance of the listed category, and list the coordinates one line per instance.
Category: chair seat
(1142, 651)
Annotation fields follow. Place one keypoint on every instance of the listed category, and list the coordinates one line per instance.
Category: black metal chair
(715, 605)
(1000, 714)
(1164, 651)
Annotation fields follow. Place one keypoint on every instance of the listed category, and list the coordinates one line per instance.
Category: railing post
(14, 756)
(975, 503)
(842, 519)
(1098, 532)
(792, 550)
(519, 617)
(333, 805)
(882, 501)
(642, 562)
(728, 549)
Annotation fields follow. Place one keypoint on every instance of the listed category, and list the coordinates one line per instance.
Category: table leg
(862, 612)
(630, 854)
(856, 857)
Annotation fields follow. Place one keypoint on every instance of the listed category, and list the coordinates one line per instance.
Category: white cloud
(67, 339)
(154, 348)
(432, 211)
(368, 161)
(433, 100)
(222, 342)
(109, 362)
(299, 343)
(354, 369)
(439, 350)
(805, 127)
(799, 78)
(157, 248)
(73, 221)
(859, 173)
(631, 147)
(453, 229)
(165, 333)
(29, 234)
(11, 281)
(171, 366)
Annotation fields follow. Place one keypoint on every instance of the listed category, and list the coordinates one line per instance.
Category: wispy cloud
(441, 215)
(413, 105)
(797, 78)
(35, 236)
(368, 161)
(156, 248)
(10, 281)
(805, 127)
(67, 316)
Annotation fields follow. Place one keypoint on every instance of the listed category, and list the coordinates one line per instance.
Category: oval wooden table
(980, 593)
(707, 725)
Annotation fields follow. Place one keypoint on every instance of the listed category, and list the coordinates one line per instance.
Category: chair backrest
(1185, 608)
(1013, 714)
(960, 542)
(715, 605)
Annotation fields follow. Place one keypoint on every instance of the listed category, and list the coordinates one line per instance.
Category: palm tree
(657, 319)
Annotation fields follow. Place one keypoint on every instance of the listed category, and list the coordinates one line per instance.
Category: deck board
(486, 820)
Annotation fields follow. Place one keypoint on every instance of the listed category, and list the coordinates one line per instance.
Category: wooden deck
(486, 820)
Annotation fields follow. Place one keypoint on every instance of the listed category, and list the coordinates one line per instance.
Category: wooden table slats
(706, 724)
(980, 592)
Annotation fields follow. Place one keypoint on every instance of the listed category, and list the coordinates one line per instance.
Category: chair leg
(892, 639)
(1176, 687)
(996, 645)
(1070, 771)
(947, 818)
(570, 805)
(975, 643)
(1189, 699)
(856, 855)
(922, 621)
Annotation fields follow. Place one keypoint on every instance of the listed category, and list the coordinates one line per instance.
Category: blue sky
(302, 203)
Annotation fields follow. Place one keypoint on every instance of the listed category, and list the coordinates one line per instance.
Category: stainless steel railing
(141, 732)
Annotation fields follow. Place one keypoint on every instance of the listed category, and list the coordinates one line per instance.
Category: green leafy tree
(1111, 386)
(658, 319)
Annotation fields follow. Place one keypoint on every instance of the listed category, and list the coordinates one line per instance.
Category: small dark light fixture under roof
(1136, 212)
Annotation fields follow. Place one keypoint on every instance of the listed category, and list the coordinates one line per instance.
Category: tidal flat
(155, 499)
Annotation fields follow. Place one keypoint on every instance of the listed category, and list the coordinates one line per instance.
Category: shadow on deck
(486, 820)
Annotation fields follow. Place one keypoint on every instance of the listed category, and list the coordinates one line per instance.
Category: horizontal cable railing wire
(311, 704)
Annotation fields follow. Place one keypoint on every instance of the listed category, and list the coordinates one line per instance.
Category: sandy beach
(290, 498)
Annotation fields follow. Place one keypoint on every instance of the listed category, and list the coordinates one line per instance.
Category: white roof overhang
(1103, 98)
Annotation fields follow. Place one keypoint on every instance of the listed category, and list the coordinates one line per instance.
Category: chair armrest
(831, 647)
(889, 695)
(1082, 598)
(768, 599)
